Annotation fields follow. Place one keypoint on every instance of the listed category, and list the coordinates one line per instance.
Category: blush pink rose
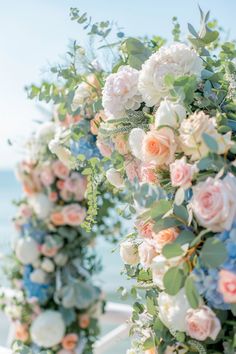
(46, 176)
(146, 254)
(132, 169)
(48, 251)
(227, 286)
(57, 218)
(74, 214)
(145, 229)
(214, 203)
(148, 173)
(53, 197)
(202, 323)
(60, 184)
(70, 341)
(21, 332)
(164, 237)
(181, 173)
(60, 170)
(159, 146)
(105, 149)
(121, 144)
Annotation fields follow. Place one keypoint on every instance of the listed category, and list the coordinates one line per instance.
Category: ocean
(110, 278)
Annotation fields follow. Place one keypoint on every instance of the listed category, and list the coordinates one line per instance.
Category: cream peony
(129, 252)
(121, 93)
(47, 265)
(27, 250)
(114, 177)
(48, 329)
(41, 204)
(81, 94)
(214, 204)
(38, 276)
(177, 60)
(173, 310)
(191, 141)
(169, 113)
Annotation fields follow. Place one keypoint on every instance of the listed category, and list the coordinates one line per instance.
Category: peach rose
(74, 214)
(84, 321)
(214, 204)
(60, 170)
(145, 229)
(121, 145)
(159, 146)
(164, 237)
(21, 332)
(181, 173)
(202, 323)
(150, 351)
(146, 254)
(95, 122)
(227, 286)
(53, 196)
(105, 149)
(70, 341)
(60, 184)
(48, 251)
(148, 173)
(57, 218)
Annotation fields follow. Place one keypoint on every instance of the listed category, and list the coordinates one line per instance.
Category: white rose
(60, 259)
(146, 254)
(48, 329)
(63, 153)
(121, 93)
(81, 94)
(38, 276)
(170, 113)
(173, 310)
(159, 266)
(27, 250)
(191, 141)
(114, 177)
(47, 265)
(129, 252)
(41, 204)
(177, 59)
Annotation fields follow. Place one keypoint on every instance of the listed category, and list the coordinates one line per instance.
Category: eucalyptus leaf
(172, 250)
(213, 253)
(173, 280)
(191, 292)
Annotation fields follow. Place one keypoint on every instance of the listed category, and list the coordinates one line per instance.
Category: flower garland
(171, 129)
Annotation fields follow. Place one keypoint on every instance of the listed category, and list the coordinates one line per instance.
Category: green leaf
(166, 223)
(184, 237)
(144, 275)
(149, 343)
(181, 212)
(233, 309)
(173, 280)
(137, 52)
(210, 142)
(172, 250)
(151, 308)
(213, 253)
(160, 207)
(191, 292)
(210, 37)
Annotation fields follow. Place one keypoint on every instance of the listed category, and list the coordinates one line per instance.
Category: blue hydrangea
(85, 146)
(207, 278)
(40, 291)
(30, 230)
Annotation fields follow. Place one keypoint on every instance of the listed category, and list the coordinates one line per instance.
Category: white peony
(27, 250)
(47, 265)
(60, 259)
(41, 204)
(173, 310)
(121, 93)
(170, 113)
(81, 94)
(191, 141)
(129, 252)
(38, 276)
(114, 177)
(48, 329)
(177, 60)
(146, 254)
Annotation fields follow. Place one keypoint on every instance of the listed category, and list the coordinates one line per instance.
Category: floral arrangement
(170, 126)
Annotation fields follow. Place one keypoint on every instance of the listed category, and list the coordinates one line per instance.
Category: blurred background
(34, 35)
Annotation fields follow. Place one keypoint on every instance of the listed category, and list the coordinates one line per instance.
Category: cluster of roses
(170, 132)
(56, 305)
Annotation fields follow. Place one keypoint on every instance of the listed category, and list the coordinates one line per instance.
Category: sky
(35, 34)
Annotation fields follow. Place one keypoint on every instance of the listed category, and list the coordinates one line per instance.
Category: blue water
(110, 278)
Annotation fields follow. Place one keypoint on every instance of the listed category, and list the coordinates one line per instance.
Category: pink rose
(25, 211)
(214, 203)
(145, 229)
(181, 173)
(53, 196)
(164, 237)
(121, 145)
(48, 251)
(76, 184)
(46, 176)
(148, 173)
(132, 169)
(74, 214)
(146, 254)
(202, 323)
(105, 149)
(227, 286)
(60, 170)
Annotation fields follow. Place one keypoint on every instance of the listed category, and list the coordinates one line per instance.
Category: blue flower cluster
(85, 146)
(40, 291)
(207, 278)
(32, 231)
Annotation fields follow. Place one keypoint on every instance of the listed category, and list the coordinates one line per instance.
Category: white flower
(170, 113)
(47, 265)
(48, 329)
(146, 254)
(174, 350)
(96, 64)
(63, 153)
(96, 310)
(191, 141)
(173, 310)
(45, 132)
(81, 94)
(136, 138)
(41, 204)
(38, 276)
(177, 60)
(121, 93)
(27, 250)
(114, 177)
(60, 259)
(129, 252)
